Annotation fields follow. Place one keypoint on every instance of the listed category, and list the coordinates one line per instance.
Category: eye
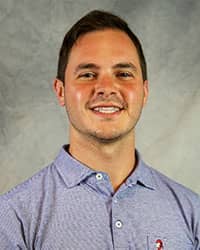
(87, 76)
(126, 75)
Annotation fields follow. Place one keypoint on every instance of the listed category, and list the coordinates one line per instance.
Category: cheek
(134, 95)
(76, 95)
(80, 95)
(130, 93)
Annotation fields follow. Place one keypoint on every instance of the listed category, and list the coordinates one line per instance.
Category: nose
(106, 86)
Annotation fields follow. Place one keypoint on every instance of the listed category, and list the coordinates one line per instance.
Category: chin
(106, 140)
(104, 135)
(109, 138)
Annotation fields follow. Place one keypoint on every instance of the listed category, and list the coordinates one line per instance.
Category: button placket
(119, 221)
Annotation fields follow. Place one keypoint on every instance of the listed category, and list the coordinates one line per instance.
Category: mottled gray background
(32, 125)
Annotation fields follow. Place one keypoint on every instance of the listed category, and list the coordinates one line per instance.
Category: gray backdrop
(32, 125)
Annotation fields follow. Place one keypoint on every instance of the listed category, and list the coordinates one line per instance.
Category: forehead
(107, 34)
(104, 45)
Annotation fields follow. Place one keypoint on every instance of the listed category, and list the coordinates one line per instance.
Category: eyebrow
(86, 66)
(125, 65)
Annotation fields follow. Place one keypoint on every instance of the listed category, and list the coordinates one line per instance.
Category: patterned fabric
(70, 206)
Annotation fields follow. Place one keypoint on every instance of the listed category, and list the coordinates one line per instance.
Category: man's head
(95, 21)
(101, 79)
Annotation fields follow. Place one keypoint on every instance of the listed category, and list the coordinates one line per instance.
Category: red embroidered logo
(159, 244)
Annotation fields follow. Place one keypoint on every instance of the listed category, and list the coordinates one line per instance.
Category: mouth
(106, 110)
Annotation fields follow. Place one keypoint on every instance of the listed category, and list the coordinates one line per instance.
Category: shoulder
(20, 207)
(179, 196)
(30, 190)
(26, 204)
(164, 182)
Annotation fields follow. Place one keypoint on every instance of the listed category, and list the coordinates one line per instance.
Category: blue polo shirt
(67, 205)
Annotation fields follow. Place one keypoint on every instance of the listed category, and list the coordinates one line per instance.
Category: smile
(106, 110)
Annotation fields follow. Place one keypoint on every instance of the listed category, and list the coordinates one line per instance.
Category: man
(98, 193)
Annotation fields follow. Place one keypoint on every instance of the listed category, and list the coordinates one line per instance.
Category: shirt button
(99, 176)
(118, 224)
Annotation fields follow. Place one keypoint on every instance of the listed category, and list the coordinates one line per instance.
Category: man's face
(104, 91)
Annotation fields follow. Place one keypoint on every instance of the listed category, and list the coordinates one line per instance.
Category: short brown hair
(94, 21)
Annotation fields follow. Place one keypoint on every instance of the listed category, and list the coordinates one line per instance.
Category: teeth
(107, 110)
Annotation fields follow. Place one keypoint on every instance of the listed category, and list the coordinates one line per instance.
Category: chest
(116, 223)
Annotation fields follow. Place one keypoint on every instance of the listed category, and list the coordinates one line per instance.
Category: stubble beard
(101, 138)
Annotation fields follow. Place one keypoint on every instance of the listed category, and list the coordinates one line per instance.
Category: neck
(117, 159)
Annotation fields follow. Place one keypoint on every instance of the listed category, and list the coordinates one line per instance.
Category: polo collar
(142, 174)
(74, 172)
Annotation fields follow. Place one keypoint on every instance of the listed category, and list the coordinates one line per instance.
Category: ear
(59, 89)
(146, 91)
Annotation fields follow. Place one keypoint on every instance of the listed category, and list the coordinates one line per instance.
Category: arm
(11, 228)
(196, 227)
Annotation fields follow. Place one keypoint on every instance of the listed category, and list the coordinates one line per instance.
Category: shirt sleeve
(11, 228)
(196, 220)
(197, 239)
